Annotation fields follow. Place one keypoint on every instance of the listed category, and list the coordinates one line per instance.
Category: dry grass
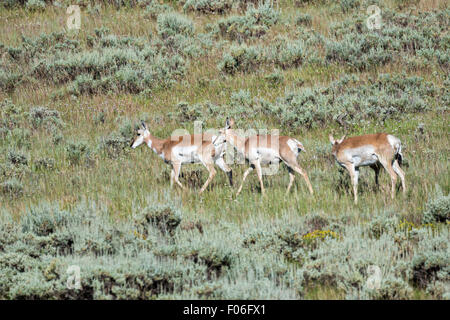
(120, 184)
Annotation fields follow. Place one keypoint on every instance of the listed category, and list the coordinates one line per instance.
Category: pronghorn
(266, 149)
(370, 150)
(206, 149)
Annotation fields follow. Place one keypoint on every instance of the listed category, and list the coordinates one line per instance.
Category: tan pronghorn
(266, 149)
(206, 149)
(370, 150)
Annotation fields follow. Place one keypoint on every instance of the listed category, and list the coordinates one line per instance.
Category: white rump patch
(293, 145)
(394, 142)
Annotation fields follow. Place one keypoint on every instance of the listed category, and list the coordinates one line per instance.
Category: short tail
(398, 154)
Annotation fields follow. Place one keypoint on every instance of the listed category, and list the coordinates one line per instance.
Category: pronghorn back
(380, 141)
(273, 141)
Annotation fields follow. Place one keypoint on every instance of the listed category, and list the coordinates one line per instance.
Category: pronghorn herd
(374, 150)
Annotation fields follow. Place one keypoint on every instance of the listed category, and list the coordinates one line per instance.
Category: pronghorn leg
(172, 177)
(225, 168)
(212, 173)
(176, 170)
(259, 173)
(250, 169)
(376, 169)
(401, 174)
(299, 170)
(354, 174)
(355, 184)
(387, 165)
(291, 179)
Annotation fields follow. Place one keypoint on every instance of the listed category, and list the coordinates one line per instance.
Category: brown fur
(206, 152)
(166, 145)
(245, 145)
(383, 154)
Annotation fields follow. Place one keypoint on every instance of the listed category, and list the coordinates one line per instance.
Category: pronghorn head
(335, 144)
(229, 123)
(225, 130)
(142, 134)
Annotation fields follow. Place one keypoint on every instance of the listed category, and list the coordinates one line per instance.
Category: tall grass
(65, 137)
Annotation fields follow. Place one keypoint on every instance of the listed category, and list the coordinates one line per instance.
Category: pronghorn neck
(154, 143)
(237, 141)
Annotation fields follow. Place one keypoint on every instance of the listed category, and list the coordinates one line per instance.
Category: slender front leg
(401, 174)
(212, 173)
(177, 168)
(387, 165)
(354, 177)
(291, 179)
(250, 169)
(259, 173)
(225, 168)
(305, 176)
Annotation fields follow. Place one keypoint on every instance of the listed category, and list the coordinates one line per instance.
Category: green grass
(125, 183)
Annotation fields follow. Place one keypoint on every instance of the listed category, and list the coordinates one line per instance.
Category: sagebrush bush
(303, 19)
(208, 6)
(12, 187)
(77, 151)
(151, 257)
(187, 113)
(165, 217)
(17, 158)
(110, 63)
(274, 78)
(9, 81)
(171, 24)
(347, 5)
(153, 9)
(118, 142)
(437, 209)
(379, 99)
(42, 116)
(290, 54)
(44, 163)
(254, 23)
(35, 5)
(430, 264)
(11, 115)
(400, 37)
(241, 59)
(18, 137)
(44, 220)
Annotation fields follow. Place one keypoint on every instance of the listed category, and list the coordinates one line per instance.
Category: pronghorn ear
(227, 123)
(331, 139)
(143, 124)
(342, 139)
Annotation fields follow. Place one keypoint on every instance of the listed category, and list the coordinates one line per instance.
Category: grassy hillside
(72, 192)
